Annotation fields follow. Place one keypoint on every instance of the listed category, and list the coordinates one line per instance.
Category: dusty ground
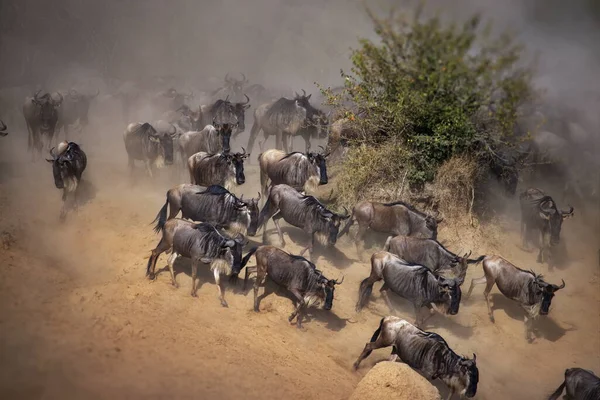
(79, 320)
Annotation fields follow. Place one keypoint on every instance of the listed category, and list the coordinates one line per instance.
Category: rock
(394, 381)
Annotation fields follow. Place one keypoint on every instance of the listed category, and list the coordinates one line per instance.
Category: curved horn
(244, 80)
(227, 98)
(247, 99)
(243, 151)
(336, 282)
(468, 255)
(61, 98)
(303, 93)
(570, 212)
(259, 196)
(561, 286)
(53, 153)
(2, 125)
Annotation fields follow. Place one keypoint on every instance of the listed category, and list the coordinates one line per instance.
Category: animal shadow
(184, 265)
(331, 253)
(86, 192)
(544, 326)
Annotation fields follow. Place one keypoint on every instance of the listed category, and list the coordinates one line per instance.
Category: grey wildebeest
(144, 143)
(413, 282)
(303, 172)
(396, 218)
(532, 293)
(232, 88)
(202, 243)
(429, 253)
(74, 109)
(301, 211)
(214, 204)
(68, 164)
(285, 118)
(41, 117)
(427, 352)
(3, 128)
(294, 273)
(581, 384)
(226, 115)
(540, 213)
(224, 169)
(209, 140)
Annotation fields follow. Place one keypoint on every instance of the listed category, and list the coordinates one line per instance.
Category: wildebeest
(296, 274)
(303, 172)
(185, 118)
(200, 243)
(232, 88)
(214, 204)
(581, 384)
(74, 109)
(301, 211)
(144, 143)
(285, 118)
(224, 169)
(41, 116)
(530, 290)
(427, 352)
(429, 253)
(209, 140)
(414, 282)
(169, 99)
(396, 218)
(3, 128)
(540, 213)
(227, 115)
(68, 163)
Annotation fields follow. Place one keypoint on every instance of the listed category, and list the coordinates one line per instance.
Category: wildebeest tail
(346, 228)
(475, 261)
(161, 217)
(247, 258)
(375, 336)
(557, 392)
(364, 293)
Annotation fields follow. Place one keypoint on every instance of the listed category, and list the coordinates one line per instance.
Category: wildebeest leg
(359, 240)
(310, 248)
(377, 342)
(299, 308)
(170, 263)
(220, 287)
(528, 327)
(384, 293)
(260, 281)
(148, 167)
(306, 138)
(194, 276)
(486, 293)
(276, 219)
(161, 248)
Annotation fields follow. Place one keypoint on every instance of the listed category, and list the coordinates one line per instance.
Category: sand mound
(394, 381)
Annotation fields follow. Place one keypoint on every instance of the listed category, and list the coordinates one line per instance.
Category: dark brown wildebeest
(303, 172)
(540, 213)
(427, 352)
(532, 293)
(144, 143)
(74, 109)
(41, 117)
(202, 243)
(213, 204)
(68, 164)
(304, 212)
(224, 169)
(396, 218)
(429, 253)
(414, 282)
(581, 384)
(224, 113)
(294, 273)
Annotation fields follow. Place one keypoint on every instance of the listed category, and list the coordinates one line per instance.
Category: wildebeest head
(319, 160)
(239, 242)
(252, 205)
(165, 142)
(240, 113)
(431, 223)
(453, 294)
(328, 286)
(333, 222)
(47, 109)
(468, 374)
(554, 216)
(224, 131)
(234, 85)
(546, 291)
(237, 161)
(62, 166)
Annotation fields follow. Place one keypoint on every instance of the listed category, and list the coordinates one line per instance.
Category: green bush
(425, 93)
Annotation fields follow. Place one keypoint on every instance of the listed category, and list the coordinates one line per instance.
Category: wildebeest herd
(215, 223)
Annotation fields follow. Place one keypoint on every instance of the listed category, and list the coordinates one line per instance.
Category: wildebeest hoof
(151, 276)
(492, 319)
(176, 286)
(194, 294)
(256, 309)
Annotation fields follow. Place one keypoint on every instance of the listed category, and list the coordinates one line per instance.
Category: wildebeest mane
(216, 189)
(410, 207)
(143, 130)
(312, 201)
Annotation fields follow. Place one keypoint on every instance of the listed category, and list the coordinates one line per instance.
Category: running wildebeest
(429, 253)
(427, 352)
(68, 164)
(396, 218)
(202, 243)
(294, 273)
(304, 212)
(285, 118)
(581, 384)
(3, 128)
(414, 282)
(144, 143)
(540, 213)
(209, 140)
(227, 114)
(217, 169)
(532, 293)
(214, 204)
(74, 109)
(41, 117)
(303, 172)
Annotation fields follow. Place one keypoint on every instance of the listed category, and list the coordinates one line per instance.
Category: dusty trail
(79, 320)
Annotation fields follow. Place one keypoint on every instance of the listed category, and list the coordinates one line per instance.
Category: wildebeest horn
(561, 286)
(474, 357)
(303, 92)
(61, 98)
(336, 282)
(468, 255)
(244, 80)
(243, 151)
(2, 125)
(569, 213)
(247, 99)
(52, 152)
(259, 196)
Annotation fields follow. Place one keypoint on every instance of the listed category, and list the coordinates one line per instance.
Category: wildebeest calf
(224, 169)
(296, 274)
(581, 384)
(427, 352)
(415, 283)
(532, 293)
(68, 164)
(201, 243)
